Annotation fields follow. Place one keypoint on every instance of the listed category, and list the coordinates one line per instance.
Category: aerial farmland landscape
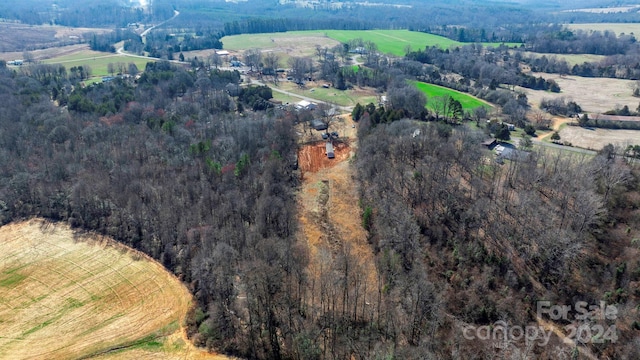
(307, 180)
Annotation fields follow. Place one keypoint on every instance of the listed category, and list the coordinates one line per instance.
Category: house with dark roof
(318, 124)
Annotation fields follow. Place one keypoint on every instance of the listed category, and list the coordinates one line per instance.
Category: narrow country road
(175, 15)
(144, 34)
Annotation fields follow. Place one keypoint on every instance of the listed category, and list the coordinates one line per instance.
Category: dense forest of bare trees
(196, 170)
(206, 192)
(173, 165)
(485, 241)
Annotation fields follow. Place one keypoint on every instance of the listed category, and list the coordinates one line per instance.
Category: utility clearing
(65, 294)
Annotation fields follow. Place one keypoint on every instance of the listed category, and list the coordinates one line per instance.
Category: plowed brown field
(65, 295)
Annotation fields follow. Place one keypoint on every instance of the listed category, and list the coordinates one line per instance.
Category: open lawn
(303, 43)
(67, 295)
(97, 61)
(285, 98)
(468, 102)
(618, 28)
(330, 95)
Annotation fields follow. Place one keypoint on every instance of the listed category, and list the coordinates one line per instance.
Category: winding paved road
(144, 35)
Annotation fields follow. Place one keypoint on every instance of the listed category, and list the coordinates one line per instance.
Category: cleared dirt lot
(330, 218)
(594, 95)
(596, 139)
(312, 157)
(65, 295)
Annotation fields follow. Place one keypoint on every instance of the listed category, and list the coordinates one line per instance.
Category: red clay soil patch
(312, 157)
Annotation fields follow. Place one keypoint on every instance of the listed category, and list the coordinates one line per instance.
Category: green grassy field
(468, 102)
(286, 99)
(330, 95)
(393, 41)
(389, 41)
(97, 61)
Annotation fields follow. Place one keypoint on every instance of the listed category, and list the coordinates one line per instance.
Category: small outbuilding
(307, 105)
(511, 127)
(490, 143)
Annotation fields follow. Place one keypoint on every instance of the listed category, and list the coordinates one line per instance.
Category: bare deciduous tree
(253, 58)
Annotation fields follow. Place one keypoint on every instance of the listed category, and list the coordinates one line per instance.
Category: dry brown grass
(605, 10)
(594, 95)
(18, 37)
(48, 53)
(67, 295)
(596, 139)
(285, 45)
(618, 28)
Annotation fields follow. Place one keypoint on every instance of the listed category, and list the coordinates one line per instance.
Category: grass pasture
(468, 102)
(303, 43)
(97, 61)
(396, 41)
(393, 41)
(65, 295)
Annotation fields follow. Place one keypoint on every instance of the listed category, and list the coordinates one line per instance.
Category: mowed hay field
(396, 41)
(303, 43)
(65, 295)
(97, 61)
